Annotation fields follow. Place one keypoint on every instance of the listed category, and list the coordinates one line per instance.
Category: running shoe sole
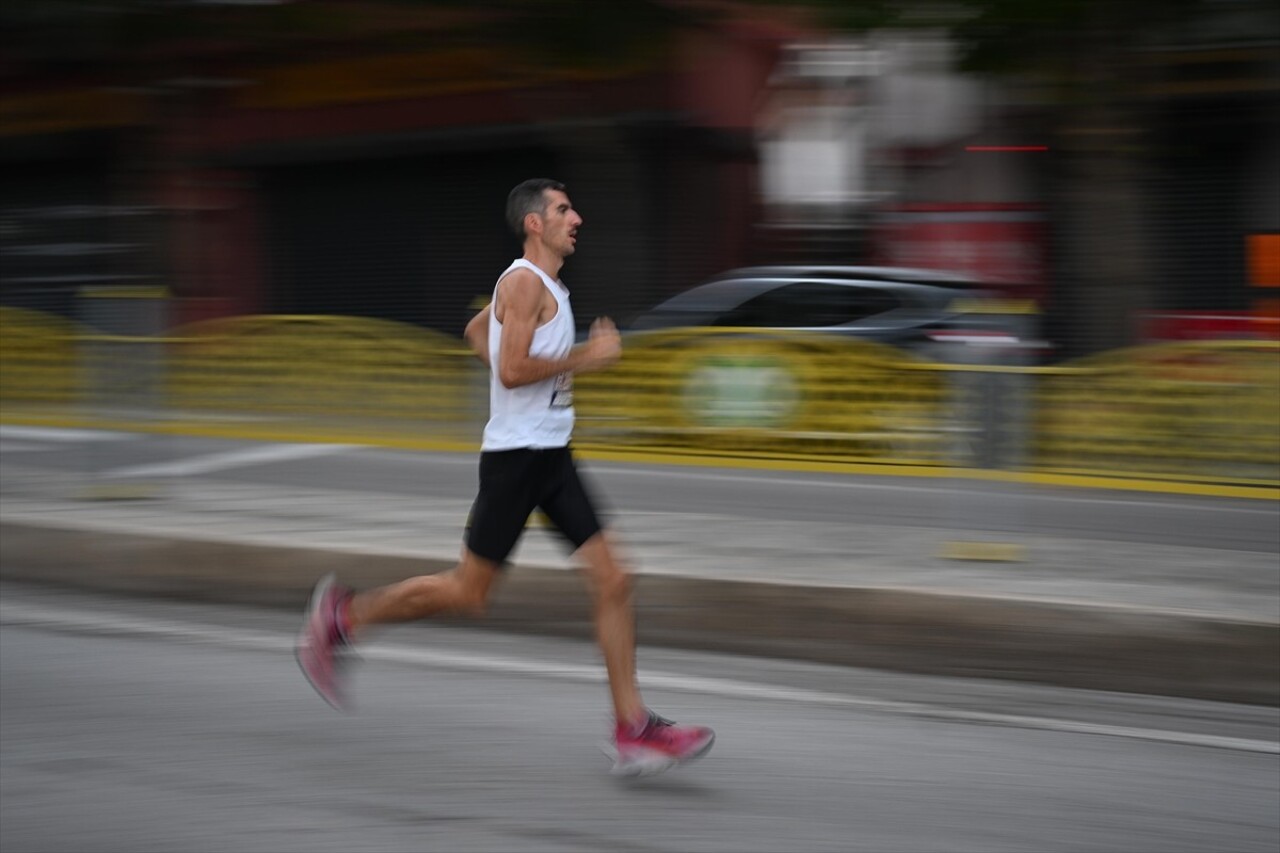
(303, 647)
(649, 762)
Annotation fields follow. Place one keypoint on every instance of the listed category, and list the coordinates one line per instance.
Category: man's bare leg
(464, 589)
(615, 624)
(335, 615)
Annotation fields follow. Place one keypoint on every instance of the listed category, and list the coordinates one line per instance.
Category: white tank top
(538, 415)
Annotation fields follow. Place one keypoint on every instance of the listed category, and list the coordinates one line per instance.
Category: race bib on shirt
(562, 393)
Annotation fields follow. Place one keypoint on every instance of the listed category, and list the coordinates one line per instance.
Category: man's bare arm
(521, 295)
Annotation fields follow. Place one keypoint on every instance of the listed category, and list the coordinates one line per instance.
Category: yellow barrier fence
(39, 362)
(1207, 409)
(347, 368)
(744, 391)
(1195, 412)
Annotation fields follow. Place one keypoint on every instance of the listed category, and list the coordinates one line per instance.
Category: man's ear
(532, 223)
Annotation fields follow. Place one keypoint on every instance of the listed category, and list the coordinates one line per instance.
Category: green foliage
(565, 32)
(1050, 35)
(857, 15)
(1000, 36)
(584, 32)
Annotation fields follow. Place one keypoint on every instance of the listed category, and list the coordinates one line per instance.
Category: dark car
(903, 307)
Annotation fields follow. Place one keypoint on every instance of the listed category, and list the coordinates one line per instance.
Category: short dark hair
(528, 197)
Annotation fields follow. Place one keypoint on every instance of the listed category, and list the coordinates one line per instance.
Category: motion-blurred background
(287, 211)
(1027, 251)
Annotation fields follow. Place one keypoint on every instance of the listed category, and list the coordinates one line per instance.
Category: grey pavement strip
(63, 619)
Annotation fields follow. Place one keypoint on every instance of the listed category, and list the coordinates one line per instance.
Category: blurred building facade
(358, 164)
(864, 160)
(362, 178)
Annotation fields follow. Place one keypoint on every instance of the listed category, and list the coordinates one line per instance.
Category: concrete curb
(1075, 645)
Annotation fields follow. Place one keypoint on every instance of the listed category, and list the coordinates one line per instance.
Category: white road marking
(62, 435)
(819, 481)
(35, 616)
(256, 455)
(22, 447)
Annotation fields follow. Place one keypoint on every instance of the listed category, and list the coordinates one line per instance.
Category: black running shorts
(515, 482)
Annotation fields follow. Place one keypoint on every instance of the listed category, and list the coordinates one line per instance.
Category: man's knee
(474, 601)
(608, 574)
(470, 597)
(613, 585)
(472, 581)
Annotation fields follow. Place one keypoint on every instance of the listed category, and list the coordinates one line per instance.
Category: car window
(701, 306)
(810, 304)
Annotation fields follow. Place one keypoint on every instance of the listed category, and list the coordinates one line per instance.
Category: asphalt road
(1163, 519)
(138, 726)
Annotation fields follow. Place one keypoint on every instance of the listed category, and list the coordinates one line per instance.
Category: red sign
(1001, 244)
(1209, 326)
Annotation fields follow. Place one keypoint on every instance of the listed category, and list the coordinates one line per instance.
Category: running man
(526, 337)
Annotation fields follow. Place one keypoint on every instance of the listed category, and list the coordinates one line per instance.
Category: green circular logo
(727, 391)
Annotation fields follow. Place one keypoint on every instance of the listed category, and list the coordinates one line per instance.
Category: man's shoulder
(520, 277)
(519, 284)
(522, 290)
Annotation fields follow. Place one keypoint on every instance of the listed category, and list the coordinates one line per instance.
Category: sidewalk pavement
(1118, 616)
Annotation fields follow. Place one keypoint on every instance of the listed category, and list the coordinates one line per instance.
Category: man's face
(560, 223)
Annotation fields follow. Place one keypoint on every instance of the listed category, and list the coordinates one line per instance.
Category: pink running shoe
(322, 649)
(658, 745)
